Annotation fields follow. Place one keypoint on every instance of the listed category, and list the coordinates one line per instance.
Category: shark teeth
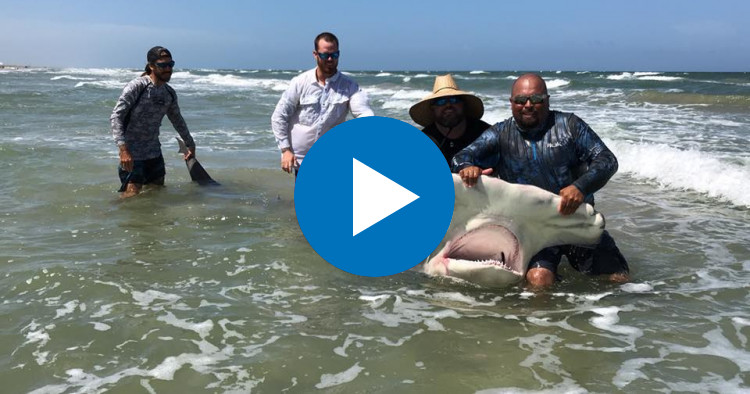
(495, 263)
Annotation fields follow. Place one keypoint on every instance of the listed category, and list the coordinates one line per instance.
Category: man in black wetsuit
(555, 151)
(451, 117)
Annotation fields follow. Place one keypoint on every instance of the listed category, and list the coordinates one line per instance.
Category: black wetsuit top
(564, 152)
(449, 147)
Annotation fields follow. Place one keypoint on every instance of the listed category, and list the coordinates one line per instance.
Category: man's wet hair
(330, 37)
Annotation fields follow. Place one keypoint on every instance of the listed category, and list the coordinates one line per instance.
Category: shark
(197, 172)
(498, 226)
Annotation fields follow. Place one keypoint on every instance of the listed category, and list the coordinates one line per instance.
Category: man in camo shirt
(136, 119)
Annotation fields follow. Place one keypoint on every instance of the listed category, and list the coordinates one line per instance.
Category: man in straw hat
(555, 151)
(450, 117)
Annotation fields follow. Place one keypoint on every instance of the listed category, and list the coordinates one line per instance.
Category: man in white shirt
(315, 102)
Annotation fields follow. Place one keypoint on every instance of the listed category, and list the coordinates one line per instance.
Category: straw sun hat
(445, 86)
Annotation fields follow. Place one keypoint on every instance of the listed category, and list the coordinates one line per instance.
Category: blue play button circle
(374, 196)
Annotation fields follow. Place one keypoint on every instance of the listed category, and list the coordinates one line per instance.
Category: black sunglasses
(169, 64)
(325, 56)
(535, 99)
(445, 100)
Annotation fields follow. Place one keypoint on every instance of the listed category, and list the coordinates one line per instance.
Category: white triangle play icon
(375, 197)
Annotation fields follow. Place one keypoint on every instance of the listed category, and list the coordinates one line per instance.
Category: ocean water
(190, 289)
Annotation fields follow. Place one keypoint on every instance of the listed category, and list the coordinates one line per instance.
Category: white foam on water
(392, 310)
(101, 72)
(105, 310)
(117, 285)
(415, 95)
(383, 75)
(70, 77)
(541, 349)
(739, 323)
(101, 326)
(567, 386)
(608, 319)
(453, 297)
(108, 84)
(234, 81)
(36, 334)
(547, 322)
(630, 371)
(637, 287)
(662, 78)
(718, 346)
(725, 122)
(202, 329)
(478, 72)
(707, 282)
(685, 169)
(331, 380)
(200, 362)
(149, 297)
(629, 75)
(68, 308)
(557, 83)
(289, 318)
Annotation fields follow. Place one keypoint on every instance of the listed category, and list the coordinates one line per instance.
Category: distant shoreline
(12, 67)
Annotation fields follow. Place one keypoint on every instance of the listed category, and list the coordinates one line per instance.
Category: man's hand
(190, 153)
(288, 161)
(572, 198)
(469, 175)
(126, 161)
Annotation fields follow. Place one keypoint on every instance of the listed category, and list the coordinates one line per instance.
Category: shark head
(487, 255)
(498, 226)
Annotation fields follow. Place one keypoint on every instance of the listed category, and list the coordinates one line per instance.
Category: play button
(374, 196)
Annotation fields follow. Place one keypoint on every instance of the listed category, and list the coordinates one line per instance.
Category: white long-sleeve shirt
(307, 109)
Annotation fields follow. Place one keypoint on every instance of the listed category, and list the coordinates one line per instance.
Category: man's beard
(450, 120)
(531, 123)
(164, 77)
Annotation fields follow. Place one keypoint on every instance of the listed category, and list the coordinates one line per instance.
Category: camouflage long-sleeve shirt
(137, 117)
(565, 152)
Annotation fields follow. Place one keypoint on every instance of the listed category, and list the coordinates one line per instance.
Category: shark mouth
(489, 246)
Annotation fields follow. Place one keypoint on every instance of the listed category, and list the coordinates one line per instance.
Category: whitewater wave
(681, 169)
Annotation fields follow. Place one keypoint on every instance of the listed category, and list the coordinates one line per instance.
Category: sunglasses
(169, 64)
(535, 99)
(445, 100)
(325, 56)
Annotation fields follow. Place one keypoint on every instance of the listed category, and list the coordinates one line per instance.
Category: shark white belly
(498, 226)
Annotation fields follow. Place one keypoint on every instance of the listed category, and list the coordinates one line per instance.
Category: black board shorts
(144, 172)
(602, 259)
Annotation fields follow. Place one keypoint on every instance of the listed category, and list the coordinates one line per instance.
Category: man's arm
(118, 120)
(178, 122)
(280, 119)
(479, 157)
(484, 152)
(602, 163)
(359, 104)
(125, 104)
(283, 113)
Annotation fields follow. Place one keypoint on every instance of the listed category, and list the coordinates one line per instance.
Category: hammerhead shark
(196, 170)
(498, 226)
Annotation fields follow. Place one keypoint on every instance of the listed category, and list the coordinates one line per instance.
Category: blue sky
(435, 35)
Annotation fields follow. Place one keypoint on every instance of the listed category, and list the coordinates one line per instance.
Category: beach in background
(215, 289)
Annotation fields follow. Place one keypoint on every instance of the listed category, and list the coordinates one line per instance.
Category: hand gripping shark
(196, 170)
(498, 226)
